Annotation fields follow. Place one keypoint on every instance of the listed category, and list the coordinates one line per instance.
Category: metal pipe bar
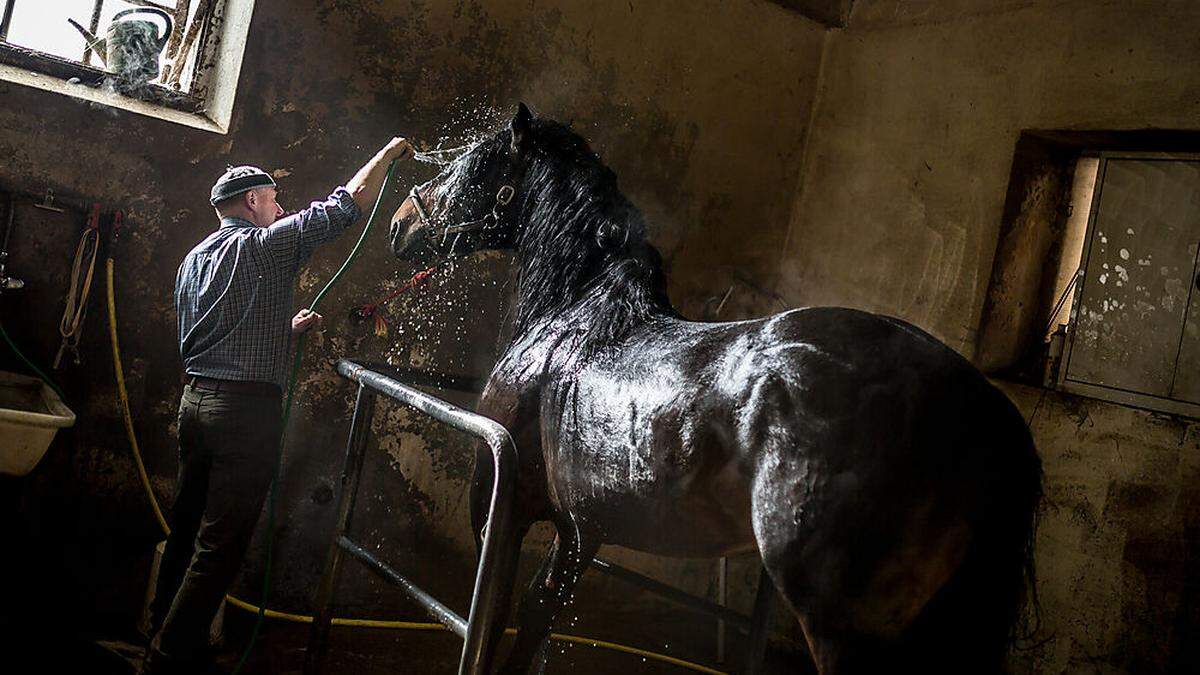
(494, 576)
(464, 420)
(6, 19)
(440, 613)
(204, 10)
(722, 598)
(672, 593)
(422, 377)
(764, 603)
(179, 17)
(360, 428)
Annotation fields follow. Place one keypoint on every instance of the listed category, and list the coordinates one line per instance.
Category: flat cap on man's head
(239, 179)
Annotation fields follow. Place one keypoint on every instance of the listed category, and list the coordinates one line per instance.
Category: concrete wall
(915, 128)
(1118, 549)
(904, 187)
(700, 107)
(887, 195)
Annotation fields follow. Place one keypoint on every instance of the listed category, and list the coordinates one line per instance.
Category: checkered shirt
(233, 292)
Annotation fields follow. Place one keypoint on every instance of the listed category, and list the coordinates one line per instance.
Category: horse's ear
(520, 127)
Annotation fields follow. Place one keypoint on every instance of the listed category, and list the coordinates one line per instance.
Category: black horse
(891, 490)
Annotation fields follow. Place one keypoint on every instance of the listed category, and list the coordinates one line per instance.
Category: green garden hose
(287, 412)
(35, 369)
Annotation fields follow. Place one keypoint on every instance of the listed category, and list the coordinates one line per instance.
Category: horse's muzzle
(408, 241)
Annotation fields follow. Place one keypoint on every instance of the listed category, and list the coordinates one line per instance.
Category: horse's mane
(582, 243)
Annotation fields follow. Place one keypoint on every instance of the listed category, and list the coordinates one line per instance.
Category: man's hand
(364, 187)
(305, 320)
(399, 149)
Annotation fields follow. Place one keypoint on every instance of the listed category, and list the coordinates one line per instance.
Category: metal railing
(758, 625)
(494, 576)
(495, 570)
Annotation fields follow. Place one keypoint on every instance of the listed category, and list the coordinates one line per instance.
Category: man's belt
(233, 386)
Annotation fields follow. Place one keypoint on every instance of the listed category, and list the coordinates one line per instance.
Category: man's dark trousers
(228, 443)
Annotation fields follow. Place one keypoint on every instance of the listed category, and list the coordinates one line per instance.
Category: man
(233, 296)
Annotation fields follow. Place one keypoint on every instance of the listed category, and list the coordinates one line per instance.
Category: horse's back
(675, 424)
(843, 367)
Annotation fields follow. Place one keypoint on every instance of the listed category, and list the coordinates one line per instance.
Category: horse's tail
(991, 599)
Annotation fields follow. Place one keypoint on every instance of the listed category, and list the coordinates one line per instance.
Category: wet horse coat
(890, 489)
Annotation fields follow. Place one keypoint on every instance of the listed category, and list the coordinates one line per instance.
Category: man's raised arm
(291, 240)
(364, 187)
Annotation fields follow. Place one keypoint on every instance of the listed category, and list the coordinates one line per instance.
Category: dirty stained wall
(915, 128)
(890, 201)
(1119, 544)
(700, 107)
(904, 185)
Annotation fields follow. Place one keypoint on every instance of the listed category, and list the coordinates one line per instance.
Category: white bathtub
(30, 414)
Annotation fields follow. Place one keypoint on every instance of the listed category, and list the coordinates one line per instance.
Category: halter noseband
(504, 196)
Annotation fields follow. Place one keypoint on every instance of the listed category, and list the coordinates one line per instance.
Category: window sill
(1154, 405)
(1133, 399)
(106, 96)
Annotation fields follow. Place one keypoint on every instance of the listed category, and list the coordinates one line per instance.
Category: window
(1094, 282)
(1134, 330)
(172, 59)
(46, 27)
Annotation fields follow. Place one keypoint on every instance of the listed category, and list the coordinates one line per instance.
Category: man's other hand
(305, 320)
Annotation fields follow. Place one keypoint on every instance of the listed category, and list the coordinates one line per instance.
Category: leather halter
(504, 196)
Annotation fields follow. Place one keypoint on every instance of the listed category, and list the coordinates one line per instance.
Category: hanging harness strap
(71, 325)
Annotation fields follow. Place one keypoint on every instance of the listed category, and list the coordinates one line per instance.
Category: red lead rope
(371, 309)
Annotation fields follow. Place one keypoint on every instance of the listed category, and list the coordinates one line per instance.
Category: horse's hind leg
(856, 574)
(550, 590)
(834, 644)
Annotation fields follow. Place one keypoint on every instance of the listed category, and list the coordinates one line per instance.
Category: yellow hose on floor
(123, 396)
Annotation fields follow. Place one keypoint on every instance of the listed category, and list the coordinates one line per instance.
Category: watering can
(131, 47)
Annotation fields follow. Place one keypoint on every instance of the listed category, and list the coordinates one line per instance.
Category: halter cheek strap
(504, 197)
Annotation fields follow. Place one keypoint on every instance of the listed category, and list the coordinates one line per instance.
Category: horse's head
(471, 205)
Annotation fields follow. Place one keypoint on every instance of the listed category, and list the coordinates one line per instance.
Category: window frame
(209, 103)
(1102, 392)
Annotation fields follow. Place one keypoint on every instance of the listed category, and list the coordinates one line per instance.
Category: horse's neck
(593, 310)
(514, 387)
(554, 347)
(543, 347)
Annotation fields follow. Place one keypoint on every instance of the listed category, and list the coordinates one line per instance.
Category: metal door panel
(1187, 368)
(1136, 286)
